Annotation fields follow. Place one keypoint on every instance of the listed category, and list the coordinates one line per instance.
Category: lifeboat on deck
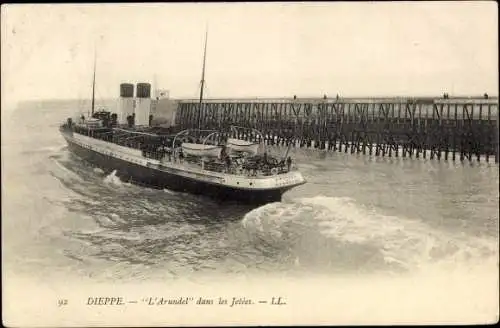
(243, 146)
(201, 150)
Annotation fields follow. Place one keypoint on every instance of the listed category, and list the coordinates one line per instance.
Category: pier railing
(450, 129)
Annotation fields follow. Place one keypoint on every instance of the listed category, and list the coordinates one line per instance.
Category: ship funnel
(143, 104)
(125, 102)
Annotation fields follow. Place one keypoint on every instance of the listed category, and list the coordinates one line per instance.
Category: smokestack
(125, 102)
(143, 104)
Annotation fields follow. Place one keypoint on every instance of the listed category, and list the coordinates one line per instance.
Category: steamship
(231, 164)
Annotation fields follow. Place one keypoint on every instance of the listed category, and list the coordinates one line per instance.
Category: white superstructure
(125, 109)
(142, 111)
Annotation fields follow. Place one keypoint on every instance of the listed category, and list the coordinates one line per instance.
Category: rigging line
(93, 83)
(203, 76)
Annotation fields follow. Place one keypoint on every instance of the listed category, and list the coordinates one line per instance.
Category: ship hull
(151, 177)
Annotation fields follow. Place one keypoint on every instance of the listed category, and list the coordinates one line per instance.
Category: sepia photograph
(244, 164)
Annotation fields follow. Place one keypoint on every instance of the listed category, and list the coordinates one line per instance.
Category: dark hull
(145, 176)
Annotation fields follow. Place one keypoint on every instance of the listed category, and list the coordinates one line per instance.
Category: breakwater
(443, 129)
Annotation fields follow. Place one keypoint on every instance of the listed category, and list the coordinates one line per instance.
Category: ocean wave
(108, 220)
(66, 173)
(349, 229)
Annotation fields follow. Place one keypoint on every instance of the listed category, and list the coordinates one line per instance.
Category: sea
(366, 221)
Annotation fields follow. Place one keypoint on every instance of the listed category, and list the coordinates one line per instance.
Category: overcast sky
(266, 50)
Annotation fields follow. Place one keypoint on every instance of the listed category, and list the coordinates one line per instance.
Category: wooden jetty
(435, 128)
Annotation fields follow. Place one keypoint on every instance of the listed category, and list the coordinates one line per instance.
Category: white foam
(98, 170)
(267, 217)
(112, 179)
(401, 240)
(168, 191)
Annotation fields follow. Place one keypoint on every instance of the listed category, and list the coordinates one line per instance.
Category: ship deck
(189, 168)
(157, 143)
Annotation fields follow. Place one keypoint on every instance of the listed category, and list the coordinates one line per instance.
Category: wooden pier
(464, 129)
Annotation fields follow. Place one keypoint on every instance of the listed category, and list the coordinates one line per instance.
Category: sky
(254, 50)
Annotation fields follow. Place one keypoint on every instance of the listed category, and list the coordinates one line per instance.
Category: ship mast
(93, 86)
(203, 77)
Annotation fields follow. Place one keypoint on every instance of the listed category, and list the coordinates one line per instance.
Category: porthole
(251, 183)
